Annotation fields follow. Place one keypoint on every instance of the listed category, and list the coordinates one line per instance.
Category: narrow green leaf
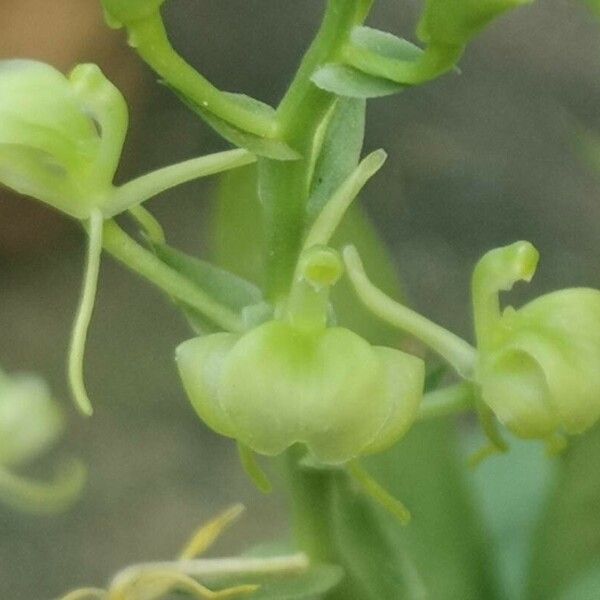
(340, 152)
(236, 232)
(225, 287)
(445, 539)
(568, 540)
(267, 147)
(512, 490)
(378, 567)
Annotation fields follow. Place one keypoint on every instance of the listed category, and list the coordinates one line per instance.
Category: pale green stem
(434, 62)
(460, 354)
(84, 314)
(149, 266)
(447, 401)
(147, 186)
(253, 469)
(333, 212)
(498, 271)
(43, 497)
(151, 41)
(373, 489)
(285, 185)
(214, 569)
(150, 225)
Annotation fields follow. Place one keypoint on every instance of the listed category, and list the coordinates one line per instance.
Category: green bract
(123, 12)
(60, 138)
(455, 22)
(297, 380)
(538, 366)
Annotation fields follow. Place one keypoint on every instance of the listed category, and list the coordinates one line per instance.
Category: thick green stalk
(284, 189)
(310, 494)
(284, 185)
(447, 401)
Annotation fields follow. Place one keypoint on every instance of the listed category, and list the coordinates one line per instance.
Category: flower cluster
(275, 369)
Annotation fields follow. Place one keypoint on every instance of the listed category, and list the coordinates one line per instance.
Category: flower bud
(455, 22)
(60, 138)
(538, 366)
(121, 13)
(29, 419)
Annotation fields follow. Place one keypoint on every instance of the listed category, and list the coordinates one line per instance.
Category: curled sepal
(43, 497)
(30, 423)
(296, 380)
(538, 365)
(60, 138)
(452, 23)
(119, 13)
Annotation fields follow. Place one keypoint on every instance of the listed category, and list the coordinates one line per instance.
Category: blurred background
(476, 161)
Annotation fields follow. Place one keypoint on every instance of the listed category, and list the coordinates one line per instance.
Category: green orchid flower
(298, 379)
(538, 366)
(61, 140)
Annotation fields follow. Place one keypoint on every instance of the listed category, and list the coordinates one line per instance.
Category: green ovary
(455, 22)
(124, 12)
